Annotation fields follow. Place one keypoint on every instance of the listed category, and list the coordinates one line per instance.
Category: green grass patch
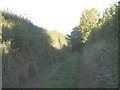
(67, 75)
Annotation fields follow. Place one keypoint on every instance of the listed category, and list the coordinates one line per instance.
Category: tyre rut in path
(83, 81)
(45, 78)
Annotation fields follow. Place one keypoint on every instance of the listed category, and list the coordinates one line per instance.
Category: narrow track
(44, 79)
(83, 74)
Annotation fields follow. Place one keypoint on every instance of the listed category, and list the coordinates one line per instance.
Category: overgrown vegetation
(80, 33)
(67, 74)
(58, 39)
(27, 50)
(99, 40)
(101, 50)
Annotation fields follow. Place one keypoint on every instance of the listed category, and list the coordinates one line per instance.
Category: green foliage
(107, 28)
(88, 20)
(80, 33)
(0, 20)
(101, 50)
(99, 40)
(27, 50)
(58, 39)
(67, 74)
(76, 39)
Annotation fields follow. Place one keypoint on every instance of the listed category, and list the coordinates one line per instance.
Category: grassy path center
(67, 75)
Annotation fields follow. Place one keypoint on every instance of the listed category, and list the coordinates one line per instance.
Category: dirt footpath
(44, 79)
(83, 74)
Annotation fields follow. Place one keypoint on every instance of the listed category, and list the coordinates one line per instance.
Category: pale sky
(60, 15)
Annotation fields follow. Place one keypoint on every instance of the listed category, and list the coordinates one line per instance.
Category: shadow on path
(45, 78)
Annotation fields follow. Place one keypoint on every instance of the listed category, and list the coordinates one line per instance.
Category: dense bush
(27, 50)
(101, 49)
(58, 39)
(80, 34)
